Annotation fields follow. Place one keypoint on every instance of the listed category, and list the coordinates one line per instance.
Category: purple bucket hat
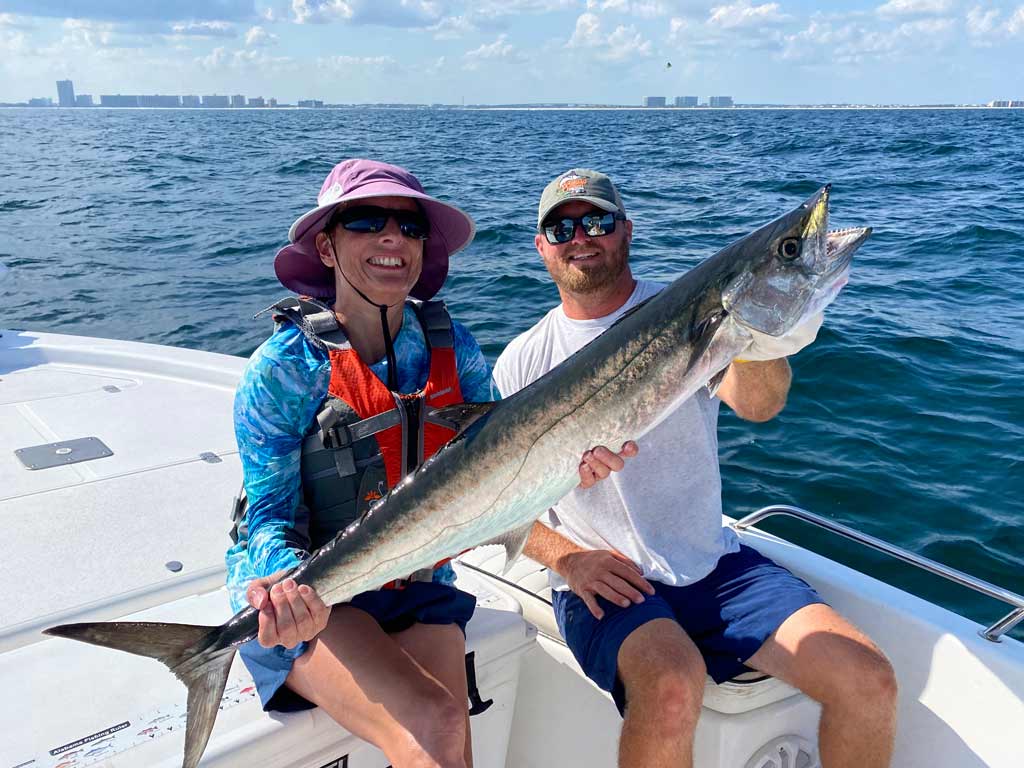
(298, 264)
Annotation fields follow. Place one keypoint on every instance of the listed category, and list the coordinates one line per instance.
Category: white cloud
(498, 50)
(492, 8)
(349, 63)
(319, 12)
(587, 33)
(623, 43)
(914, 8)
(743, 14)
(643, 9)
(916, 30)
(436, 67)
(452, 28)
(258, 36)
(856, 42)
(1016, 24)
(385, 13)
(221, 58)
(675, 26)
(986, 27)
(13, 39)
(981, 23)
(81, 33)
(204, 29)
(11, 21)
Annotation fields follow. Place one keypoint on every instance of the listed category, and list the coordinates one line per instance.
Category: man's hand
(599, 462)
(602, 572)
(289, 613)
(765, 347)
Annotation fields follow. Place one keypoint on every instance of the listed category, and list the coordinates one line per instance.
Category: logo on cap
(573, 184)
(332, 194)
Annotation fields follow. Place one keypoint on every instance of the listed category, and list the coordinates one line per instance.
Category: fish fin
(513, 541)
(186, 650)
(461, 415)
(716, 381)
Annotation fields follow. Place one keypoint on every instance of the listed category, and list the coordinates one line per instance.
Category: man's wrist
(563, 562)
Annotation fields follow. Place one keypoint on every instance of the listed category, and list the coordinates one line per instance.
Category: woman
(321, 437)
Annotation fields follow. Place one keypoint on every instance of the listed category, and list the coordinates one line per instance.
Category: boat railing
(991, 633)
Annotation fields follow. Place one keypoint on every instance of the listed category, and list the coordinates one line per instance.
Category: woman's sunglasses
(370, 219)
(560, 231)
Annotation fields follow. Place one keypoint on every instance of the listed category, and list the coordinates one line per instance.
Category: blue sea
(906, 417)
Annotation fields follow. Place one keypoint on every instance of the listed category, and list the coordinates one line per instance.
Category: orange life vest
(367, 437)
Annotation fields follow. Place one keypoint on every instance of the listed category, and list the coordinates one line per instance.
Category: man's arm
(588, 572)
(756, 391)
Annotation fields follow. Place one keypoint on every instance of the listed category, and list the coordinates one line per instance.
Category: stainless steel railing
(993, 632)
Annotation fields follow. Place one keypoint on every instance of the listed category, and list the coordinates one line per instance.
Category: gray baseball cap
(580, 184)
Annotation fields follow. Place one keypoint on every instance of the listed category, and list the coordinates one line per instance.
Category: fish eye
(789, 248)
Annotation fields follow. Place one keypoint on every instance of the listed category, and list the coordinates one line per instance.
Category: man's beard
(591, 279)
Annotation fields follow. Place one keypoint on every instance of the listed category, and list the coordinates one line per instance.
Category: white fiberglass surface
(96, 538)
(71, 704)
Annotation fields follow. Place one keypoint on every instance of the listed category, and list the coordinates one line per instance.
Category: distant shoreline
(528, 108)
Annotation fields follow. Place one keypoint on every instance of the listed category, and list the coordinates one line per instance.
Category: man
(651, 591)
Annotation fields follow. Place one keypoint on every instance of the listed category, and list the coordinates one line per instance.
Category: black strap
(477, 705)
(315, 319)
(436, 322)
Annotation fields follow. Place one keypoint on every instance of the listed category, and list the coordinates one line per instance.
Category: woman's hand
(599, 462)
(289, 613)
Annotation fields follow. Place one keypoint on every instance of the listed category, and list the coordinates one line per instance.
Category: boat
(117, 471)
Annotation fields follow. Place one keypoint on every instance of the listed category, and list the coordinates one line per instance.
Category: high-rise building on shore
(217, 101)
(238, 100)
(271, 102)
(83, 100)
(65, 93)
(310, 103)
(654, 101)
(257, 101)
(44, 101)
(720, 101)
(157, 100)
(190, 101)
(686, 101)
(117, 100)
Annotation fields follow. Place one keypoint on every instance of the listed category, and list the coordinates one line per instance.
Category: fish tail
(191, 652)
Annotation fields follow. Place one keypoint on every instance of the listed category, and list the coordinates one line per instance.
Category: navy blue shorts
(419, 602)
(728, 614)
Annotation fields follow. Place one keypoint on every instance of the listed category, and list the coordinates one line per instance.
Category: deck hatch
(62, 453)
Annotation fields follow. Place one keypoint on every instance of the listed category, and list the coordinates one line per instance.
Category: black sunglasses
(560, 231)
(370, 219)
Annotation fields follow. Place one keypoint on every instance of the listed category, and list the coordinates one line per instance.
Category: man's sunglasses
(559, 231)
(369, 219)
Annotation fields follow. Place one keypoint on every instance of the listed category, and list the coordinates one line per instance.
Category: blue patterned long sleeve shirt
(280, 392)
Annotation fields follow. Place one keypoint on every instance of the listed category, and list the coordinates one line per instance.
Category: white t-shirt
(664, 510)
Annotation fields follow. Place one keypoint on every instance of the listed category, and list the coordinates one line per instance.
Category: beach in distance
(905, 419)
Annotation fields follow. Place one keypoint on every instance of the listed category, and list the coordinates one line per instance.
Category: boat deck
(166, 416)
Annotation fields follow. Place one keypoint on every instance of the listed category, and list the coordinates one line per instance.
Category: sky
(519, 51)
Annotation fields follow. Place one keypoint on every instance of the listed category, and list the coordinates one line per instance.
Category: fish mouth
(841, 244)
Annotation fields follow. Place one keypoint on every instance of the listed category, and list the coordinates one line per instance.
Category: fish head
(790, 269)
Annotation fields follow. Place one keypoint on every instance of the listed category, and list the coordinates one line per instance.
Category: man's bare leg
(365, 680)
(826, 657)
(663, 673)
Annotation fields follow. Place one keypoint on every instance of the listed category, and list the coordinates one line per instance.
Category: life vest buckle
(338, 437)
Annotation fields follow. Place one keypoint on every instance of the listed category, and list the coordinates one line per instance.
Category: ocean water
(906, 417)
